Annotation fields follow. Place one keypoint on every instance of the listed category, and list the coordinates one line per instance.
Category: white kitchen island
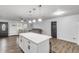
(34, 43)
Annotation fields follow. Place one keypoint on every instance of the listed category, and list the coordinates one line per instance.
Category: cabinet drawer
(26, 45)
(30, 47)
(33, 47)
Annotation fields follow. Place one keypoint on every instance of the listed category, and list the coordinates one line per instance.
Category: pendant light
(34, 21)
(22, 20)
(30, 21)
(39, 19)
(29, 18)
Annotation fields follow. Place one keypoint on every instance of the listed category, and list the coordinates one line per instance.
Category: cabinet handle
(28, 47)
(21, 40)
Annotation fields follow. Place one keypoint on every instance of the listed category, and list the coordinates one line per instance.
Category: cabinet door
(25, 45)
(29, 46)
(19, 41)
(44, 47)
(32, 47)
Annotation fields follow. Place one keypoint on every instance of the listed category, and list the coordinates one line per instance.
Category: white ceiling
(16, 12)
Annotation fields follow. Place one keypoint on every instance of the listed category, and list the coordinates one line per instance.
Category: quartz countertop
(37, 38)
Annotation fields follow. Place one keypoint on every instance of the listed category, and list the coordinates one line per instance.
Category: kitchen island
(34, 43)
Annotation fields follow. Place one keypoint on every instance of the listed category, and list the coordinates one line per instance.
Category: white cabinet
(13, 29)
(29, 46)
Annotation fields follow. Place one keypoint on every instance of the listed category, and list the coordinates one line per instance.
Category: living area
(48, 28)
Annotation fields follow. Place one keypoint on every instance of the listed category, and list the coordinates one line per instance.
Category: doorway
(3, 29)
(54, 29)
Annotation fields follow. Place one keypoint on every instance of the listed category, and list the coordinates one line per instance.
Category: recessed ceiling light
(59, 12)
(34, 21)
(30, 21)
(40, 20)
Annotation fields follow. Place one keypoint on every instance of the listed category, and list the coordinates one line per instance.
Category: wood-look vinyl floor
(9, 45)
(61, 46)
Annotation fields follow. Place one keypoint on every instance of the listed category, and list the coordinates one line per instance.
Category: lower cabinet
(31, 47)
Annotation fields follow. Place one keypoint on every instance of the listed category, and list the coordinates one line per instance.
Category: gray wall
(67, 27)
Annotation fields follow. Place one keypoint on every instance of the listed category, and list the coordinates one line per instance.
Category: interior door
(54, 29)
(3, 29)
